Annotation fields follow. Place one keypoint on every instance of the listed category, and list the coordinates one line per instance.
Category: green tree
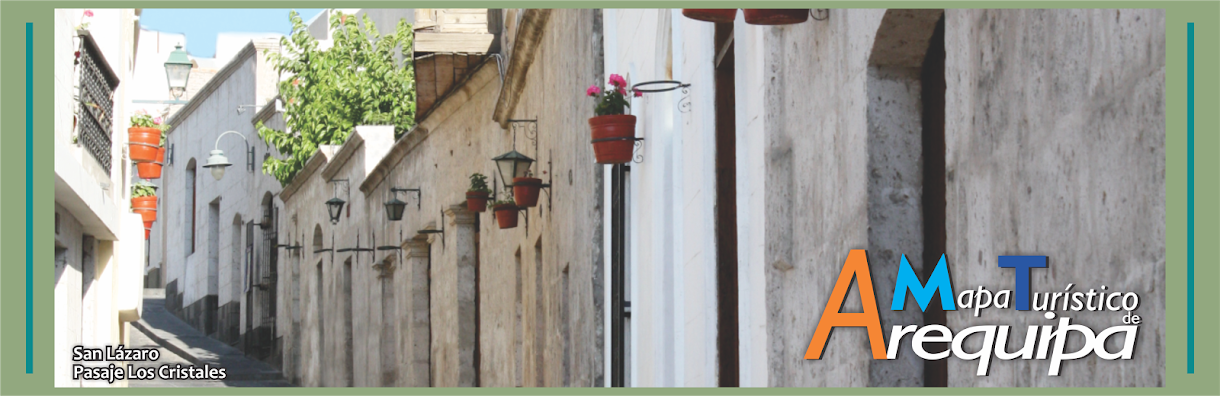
(358, 81)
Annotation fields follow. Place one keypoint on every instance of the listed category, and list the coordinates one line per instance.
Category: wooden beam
(474, 43)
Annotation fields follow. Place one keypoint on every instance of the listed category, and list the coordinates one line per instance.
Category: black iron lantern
(512, 165)
(394, 208)
(335, 207)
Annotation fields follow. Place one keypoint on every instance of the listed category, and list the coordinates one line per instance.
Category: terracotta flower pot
(152, 170)
(711, 15)
(476, 201)
(143, 143)
(613, 138)
(506, 216)
(774, 17)
(525, 191)
(147, 229)
(146, 207)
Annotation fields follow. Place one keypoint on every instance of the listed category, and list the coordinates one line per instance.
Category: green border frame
(14, 202)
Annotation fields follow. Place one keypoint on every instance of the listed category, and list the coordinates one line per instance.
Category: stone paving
(179, 343)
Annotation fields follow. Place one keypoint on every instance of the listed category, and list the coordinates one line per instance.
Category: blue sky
(201, 25)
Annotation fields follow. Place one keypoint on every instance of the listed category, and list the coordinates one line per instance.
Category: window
(97, 83)
(190, 204)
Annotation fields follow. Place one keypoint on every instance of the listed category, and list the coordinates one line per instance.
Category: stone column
(388, 339)
(461, 222)
(414, 317)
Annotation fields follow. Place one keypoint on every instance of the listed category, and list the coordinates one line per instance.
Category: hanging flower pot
(613, 138)
(506, 214)
(145, 138)
(146, 207)
(147, 229)
(613, 130)
(152, 170)
(476, 196)
(711, 15)
(525, 191)
(143, 143)
(144, 201)
(774, 17)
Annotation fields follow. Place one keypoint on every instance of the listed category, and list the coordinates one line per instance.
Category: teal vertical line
(29, 198)
(1190, 198)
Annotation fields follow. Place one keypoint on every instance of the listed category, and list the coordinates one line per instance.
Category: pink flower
(622, 91)
(157, 120)
(296, 82)
(593, 90)
(89, 13)
(141, 112)
(638, 93)
(618, 81)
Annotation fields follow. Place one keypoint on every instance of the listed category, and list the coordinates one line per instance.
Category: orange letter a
(856, 265)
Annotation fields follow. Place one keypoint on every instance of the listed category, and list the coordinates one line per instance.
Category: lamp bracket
(249, 148)
(528, 128)
(440, 231)
(819, 14)
(418, 195)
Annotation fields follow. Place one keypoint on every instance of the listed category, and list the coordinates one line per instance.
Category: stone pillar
(461, 224)
(415, 319)
(388, 339)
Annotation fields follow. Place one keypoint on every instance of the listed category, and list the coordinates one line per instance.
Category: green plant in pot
(613, 130)
(506, 213)
(477, 195)
(144, 201)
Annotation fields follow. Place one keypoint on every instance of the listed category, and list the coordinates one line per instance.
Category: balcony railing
(96, 115)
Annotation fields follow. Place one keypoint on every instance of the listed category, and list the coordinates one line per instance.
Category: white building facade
(99, 243)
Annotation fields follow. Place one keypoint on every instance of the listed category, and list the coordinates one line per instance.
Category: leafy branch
(363, 79)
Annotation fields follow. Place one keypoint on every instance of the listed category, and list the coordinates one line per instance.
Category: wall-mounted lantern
(217, 161)
(512, 165)
(334, 206)
(394, 207)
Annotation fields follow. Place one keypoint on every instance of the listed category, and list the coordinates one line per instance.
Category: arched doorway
(906, 173)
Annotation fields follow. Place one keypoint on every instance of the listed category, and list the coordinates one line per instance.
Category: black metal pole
(618, 274)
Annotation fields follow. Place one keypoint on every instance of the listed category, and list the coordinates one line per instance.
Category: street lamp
(394, 207)
(334, 206)
(177, 71)
(217, 161)
(512, 165)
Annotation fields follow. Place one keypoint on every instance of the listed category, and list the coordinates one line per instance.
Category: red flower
(593, 90)
(618, 81)
(638, 93)
(89, 13)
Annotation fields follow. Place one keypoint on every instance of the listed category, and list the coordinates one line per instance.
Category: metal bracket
(819, 14)
(529, 128)
(684, 104)
(418, 195)
(440, 231)
(357, 248)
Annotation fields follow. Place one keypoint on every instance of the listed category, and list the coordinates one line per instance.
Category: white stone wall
(1027, 92)
(94, 283)
(227, 103)
(543, 337)
(672, 250)
(1055, 146)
